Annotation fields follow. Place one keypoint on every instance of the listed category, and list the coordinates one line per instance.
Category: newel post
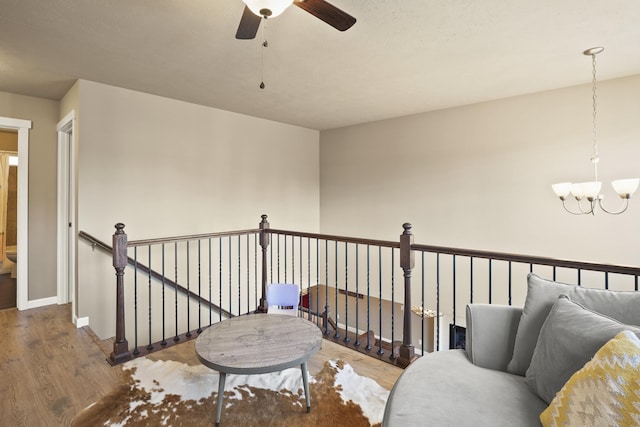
(264, 243)
(121, 351)
(407, 263)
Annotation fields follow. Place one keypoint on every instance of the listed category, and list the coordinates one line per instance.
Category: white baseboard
(80, 322)
(42, 302)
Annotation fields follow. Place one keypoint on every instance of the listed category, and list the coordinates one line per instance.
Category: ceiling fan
(256, 10)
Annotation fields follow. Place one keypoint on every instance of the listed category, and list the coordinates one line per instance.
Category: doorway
(8, 217)
(22, 265)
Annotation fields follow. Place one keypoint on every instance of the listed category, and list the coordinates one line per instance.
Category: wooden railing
(349, 286)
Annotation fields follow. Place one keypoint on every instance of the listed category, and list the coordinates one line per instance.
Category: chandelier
(591, 190)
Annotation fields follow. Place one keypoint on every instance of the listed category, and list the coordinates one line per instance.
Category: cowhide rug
(167, 393)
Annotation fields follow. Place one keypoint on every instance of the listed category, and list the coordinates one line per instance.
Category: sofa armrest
(491, 334)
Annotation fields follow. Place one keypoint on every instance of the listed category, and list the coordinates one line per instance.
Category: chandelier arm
(564, 205)
(590, 211)
(624, 207)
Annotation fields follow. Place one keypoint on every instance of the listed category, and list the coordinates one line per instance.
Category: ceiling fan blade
(328, 13)
(249, 24)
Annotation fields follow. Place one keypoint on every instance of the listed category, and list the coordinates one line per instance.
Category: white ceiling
(401, 57)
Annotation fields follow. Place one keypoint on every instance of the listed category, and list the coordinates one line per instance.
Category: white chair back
(283, 298)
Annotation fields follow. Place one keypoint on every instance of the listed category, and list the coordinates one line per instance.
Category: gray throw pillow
(542, 294)
(570, 336)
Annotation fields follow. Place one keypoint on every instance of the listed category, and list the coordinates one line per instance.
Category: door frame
(22, 279)
(66, 223)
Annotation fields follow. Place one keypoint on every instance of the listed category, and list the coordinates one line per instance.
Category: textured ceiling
(401, 57)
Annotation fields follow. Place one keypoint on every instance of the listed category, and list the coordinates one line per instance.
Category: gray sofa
(501, 379)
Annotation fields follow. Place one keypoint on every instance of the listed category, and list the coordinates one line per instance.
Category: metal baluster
(278, 255)
(188, 334)
(285, 259)
(368, 346)
(230, 279)
(452, 330)
(255, 266)
(199, 286)
(248, 275)
(164, 339)
(423, 307)
(438, 301)
(149, 346)
(135, 301)
(346, 292)
(336, 335)
(393, 311)
(326, 287)
(510, 290)
(176, 338)
(579, 277)
(606, 280)
(357, 343)
(317, 301)
(220, 277)
(309, 277)
(380, 351)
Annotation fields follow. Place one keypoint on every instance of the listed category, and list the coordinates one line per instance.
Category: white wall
(479, 176)
(165, 167)
(43, 114)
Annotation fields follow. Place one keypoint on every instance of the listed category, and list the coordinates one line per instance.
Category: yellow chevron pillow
(605, 392)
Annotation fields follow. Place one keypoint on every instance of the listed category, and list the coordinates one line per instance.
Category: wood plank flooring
(49, 370)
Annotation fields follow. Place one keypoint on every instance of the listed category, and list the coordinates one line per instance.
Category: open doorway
(21, 127)
(8, 217)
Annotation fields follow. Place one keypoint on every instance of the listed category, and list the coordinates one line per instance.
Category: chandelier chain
(595, 110)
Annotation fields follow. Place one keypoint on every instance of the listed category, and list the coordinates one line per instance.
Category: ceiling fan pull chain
(265, 44)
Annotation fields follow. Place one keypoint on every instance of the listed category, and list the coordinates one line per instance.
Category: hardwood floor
(50, 370)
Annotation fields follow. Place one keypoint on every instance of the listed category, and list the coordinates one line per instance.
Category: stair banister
(407, 263)
(121, 351)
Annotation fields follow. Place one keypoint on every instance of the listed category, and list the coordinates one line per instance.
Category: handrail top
(529, 259)
(159, 240)
(345, 239)
(471, 253)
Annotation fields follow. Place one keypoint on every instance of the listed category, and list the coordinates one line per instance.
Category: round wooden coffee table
(258, 344)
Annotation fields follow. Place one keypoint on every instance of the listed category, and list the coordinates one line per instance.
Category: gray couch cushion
(446, 389)
(542, 294)
(570, 336)
(491, 332)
